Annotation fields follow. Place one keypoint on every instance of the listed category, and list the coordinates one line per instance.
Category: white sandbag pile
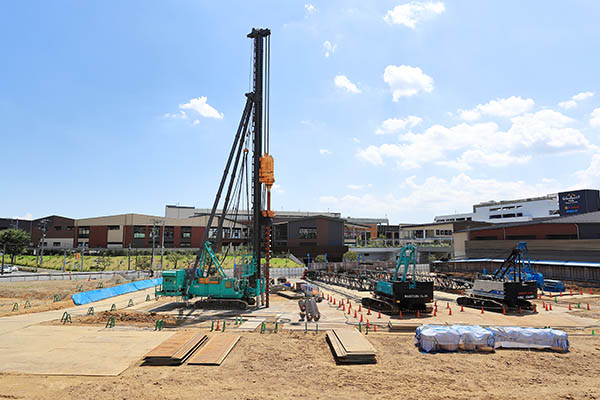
(436, 338)
(510, 337)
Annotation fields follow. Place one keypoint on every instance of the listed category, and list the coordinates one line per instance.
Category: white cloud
(358, 187)
(582, 96)
(310, 9)
(196, 122)
(324, 152)
(510, 107)
(435, 196)
(410, 14)
(567, 105)
(406, 81)
(343, 82)
(545, 131)
(595, 118)
(590, 177)
(356, 140)
(492, 159)
(572, 103)
(393, 125)
(200, 105)
(278, 189)
(329, 48)
(28, 216)
(179, 115)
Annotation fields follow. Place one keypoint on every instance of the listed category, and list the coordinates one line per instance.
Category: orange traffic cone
(550, 306)
(89, 278)
(361, 318)
(482, 310)
(447, 306)
(571, 293)
(374, 328)
(418, 314)
(560, 294)
(520, 311)
(591, 291)
(462, 309)
(588, 306)
(349, 306)
(550, 294)
(218, 324)
(400, 314)
(581, 292)
(367, 323)
(535, 308)
(359, 308)
(449, 311)
(348, 310)
(540, 296)
(378, 314)
(503, 310)
(435, 312)
(569, 307)
(368, 310)
(355, 315)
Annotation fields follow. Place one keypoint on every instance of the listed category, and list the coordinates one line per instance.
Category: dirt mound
(127, 318)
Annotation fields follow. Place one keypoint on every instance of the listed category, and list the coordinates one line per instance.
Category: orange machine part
(266, 173)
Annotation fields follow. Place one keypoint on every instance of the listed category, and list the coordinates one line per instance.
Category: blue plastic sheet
(105, 293)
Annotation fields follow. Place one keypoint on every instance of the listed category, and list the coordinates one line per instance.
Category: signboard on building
(578, 202)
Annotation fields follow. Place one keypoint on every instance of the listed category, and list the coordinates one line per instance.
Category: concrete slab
(74, 350)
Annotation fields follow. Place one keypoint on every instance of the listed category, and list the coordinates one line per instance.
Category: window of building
(226, 233)
(212, 233)
(114, 227)
(494, 209)
(56, 244)
(508, 215)
(169, 233)
(236, 233)
(70, 227)
(58, 228)
(486, 238)
(562, 237)
(84, 232)
(521, 237)
(469, 218)
(308, 233)
(139, 232)
(496, 216)
(186, 232)
(519, 214)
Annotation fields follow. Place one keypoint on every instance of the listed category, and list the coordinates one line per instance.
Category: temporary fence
(60, 276)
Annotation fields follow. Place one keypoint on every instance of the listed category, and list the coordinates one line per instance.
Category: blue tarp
(436, 338)
(101, 294)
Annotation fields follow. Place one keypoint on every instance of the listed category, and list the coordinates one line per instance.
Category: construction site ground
(40, 357)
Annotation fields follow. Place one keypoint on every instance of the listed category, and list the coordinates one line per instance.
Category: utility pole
(43, 222)
(162, 245)
(82, 253)
(153, 242)
(64, 260)
(129, 257)
(3, 251)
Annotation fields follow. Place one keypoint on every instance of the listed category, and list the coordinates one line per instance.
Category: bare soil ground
(41, 294)
(295, 365)
(123, 318)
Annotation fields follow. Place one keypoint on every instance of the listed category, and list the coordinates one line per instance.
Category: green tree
(320, 258)
(174, 257)
(350, 256)
(14, 241)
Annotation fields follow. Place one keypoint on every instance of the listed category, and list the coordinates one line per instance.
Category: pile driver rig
(402, 293)
(207, 279)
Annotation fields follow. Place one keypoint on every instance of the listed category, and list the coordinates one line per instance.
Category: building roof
(553, 196)
(589, 218)
(368, 221)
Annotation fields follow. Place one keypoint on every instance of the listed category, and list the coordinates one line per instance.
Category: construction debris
(176, 349)
(350, 347)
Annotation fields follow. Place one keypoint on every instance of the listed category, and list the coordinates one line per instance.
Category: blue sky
(389, 108)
